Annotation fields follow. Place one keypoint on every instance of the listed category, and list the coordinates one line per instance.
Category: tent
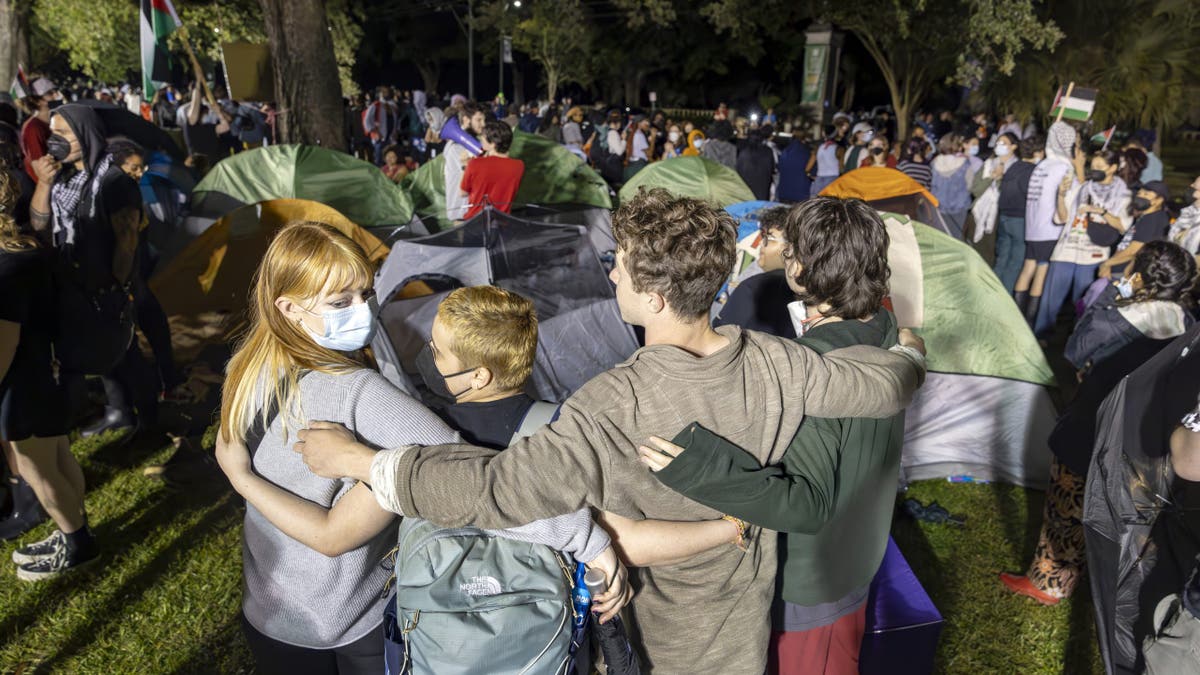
(985, 410)
(214, 272)
(355, 188)
(557, 266)
(552, 176)
(900, 194)
(690, 177)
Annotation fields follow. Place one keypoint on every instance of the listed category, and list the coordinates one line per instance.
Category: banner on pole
(815, 57)
(248, 71)
(506, 49)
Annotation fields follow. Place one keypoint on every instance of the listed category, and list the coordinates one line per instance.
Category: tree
(1141, 70)
(98, 36)
(306, 74)
(556, 35)
(930, 41)
(14, 36)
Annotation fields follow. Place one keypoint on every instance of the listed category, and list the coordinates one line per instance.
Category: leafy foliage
(99, 36)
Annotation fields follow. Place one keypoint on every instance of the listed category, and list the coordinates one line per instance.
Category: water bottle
(581, 598)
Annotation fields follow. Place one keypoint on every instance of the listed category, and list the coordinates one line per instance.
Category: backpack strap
(258, 428)
(539, 415)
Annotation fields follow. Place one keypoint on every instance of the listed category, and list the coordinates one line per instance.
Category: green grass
(166, 596)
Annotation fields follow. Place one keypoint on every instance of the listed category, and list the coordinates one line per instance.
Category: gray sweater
(301, 597)
(708, 614)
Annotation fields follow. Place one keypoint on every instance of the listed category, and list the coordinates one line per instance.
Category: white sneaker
(45, 548)
(60, 563)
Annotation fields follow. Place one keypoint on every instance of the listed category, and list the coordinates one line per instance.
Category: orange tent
(871, 183)
(214, 272)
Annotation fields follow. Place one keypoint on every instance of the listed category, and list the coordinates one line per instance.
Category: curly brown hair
(1168, 273)
(842, 246)
(11, 237)
(680, 247)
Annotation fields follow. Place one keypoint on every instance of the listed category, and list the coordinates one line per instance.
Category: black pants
(131, 384)
(274, 657)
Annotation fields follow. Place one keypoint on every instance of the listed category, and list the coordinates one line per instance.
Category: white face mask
(1125, 287)
(697, 143)
(347, 329)
(673, 136)
(1002, 150)
(973, 150)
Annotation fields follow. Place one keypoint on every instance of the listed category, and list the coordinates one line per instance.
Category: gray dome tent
(555, 259)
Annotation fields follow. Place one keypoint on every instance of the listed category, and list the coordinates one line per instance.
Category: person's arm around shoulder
(854, 381)
(651, 543)
(558, 470)
(353, 521)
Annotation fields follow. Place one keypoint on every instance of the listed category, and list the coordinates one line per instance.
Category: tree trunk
(431, 72)
(551, 83)
(632, 90)
(903, 120)
(14, 42)
(306, 75)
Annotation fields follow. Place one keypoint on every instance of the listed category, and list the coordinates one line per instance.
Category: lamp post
(471, 49)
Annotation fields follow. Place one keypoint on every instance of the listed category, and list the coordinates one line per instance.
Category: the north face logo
(480, 586)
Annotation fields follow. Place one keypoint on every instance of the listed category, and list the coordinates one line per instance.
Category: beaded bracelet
(741, 528)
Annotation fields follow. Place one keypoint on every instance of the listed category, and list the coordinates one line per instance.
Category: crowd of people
(734, 483)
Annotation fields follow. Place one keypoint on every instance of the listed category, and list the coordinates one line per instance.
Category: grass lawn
(165, 597)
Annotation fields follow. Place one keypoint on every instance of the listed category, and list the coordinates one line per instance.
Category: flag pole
(1062, 108)
(1108, 138)
(187, 45)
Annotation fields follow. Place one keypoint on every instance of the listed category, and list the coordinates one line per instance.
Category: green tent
(355, 188)
(691, 177)
(552, 176)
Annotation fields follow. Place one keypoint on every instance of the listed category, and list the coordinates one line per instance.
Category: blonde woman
(33, 405)
(312, 546)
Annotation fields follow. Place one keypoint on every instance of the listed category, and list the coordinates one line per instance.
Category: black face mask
(54, 103)
(876, 151)
(1096, 175)
(58, 147)
(434, 379)
(1139, 204)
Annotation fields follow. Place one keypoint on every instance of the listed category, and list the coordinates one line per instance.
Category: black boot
(1022, 299)
(27, 512)
(1031, 309)
(114, 419)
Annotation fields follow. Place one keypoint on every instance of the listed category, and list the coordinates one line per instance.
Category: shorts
(1040, 250)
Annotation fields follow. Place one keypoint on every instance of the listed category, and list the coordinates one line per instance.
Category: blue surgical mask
(1125, 287)
(348, 329)
(973, 150)
(1002, 150)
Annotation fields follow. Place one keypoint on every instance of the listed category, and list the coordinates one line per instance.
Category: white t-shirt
(1042, 200)
(456, 199)
(640, 146)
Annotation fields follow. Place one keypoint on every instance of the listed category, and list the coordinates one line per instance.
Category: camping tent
(691, 177)
(214, 272)
(552, 176)
(889, 190)
(557, 266)
(355, 188)
(984, 410)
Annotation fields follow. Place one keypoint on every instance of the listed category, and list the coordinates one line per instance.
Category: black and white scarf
(65, 196)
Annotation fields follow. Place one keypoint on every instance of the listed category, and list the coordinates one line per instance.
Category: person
(312, 313)
(92, 213)
(1120, 332)
(1098, 214)
(612, 158)
(859, 138)
(1004, 157)
(673, 255)
(1153, 300)
(971, 149)
(1133, 165)
(471, 119)
(638, 149)
(675, 144)
(1060, 166)
(760, 302)
(572, 132)
(756, 164)
(795, 162)
(494, 178)
(529, 120)
(203, 124)
(1185, 231)
(913, 163)
(695, 141)
(1143, 140)
(833, 493)
(550, 126)
(829, 160)
(1011, 126)
(722, 112)
(36, 129)
(32, 402)
(719, 147)
(951, 184)
(878, 153)
(1010, 211)
(380, 122)
(392, 167)
(1151, 223)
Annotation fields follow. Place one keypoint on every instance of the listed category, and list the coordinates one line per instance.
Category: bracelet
(741, 528)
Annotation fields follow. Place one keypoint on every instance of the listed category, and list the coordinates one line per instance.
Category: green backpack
(469, 602)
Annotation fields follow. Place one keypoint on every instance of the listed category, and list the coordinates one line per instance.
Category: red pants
(831, 650)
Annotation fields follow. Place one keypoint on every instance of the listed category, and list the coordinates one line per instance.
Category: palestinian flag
(20, 85)
(158, 21)
(1105, 137)
(1077, 106)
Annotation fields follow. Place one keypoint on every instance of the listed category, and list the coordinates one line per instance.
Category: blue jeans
(1063, 280)
(1010, 249)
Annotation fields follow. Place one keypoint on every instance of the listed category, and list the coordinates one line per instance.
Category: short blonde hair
(492, 328)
